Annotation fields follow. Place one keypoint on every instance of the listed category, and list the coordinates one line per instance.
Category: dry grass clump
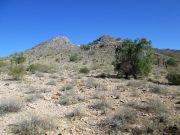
(118, 121)
(153, 106)
(33, 125)
(9, 106)
(135, 83)
(33, 97)
(52, 83)
(76, 113)
(101, 105)
(69, 98)
(158, 89)
(67, 87)
(39, 74)
(17, 72)
(91, 83)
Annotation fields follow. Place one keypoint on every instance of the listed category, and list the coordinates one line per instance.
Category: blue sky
(25, 23)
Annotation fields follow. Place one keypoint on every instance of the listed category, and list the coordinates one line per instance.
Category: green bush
(39, 68)
(18, 59)
(3, 65)
(85, 47)
(171, 62)
(73, 58)
(133, 58)
(174, 78)
(84, 70)
(17, 72)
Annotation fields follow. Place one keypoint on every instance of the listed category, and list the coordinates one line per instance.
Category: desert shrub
(133, 58)
(9, 106)
(39, 68)
(174, 78)
(53, 76)
(100, 105)
(39, 74)
(171, 62)
(69, 98)
(17, 71)
(91, 83)
(85, 47)
(33, 125)
(57, 60)
(117, 121)
(91, 53)
(18, 59)
(153, 106)
(73, 114)
(154, 88)
(3, 65)
(33, 97)
(134, 83)
(52, 82)
(67, 87)
(73, 58)
(84, 70)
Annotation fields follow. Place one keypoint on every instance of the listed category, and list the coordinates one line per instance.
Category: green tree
(133, 58)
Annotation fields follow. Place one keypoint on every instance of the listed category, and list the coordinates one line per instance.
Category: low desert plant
(73, 58)
(69, 98)
(33, 97)
(39, 68)
(33, 125)
(174, 78)
(152, 106)
(67, 87)
(135, 83)
(73, 114)
(99, 105)
(158, 89)
(117, 121)
(85, 47)
(17, 71)
(91, 83)
(84, 70)
(9, 106)
(39, 74)
(171, 62)
(52, 82)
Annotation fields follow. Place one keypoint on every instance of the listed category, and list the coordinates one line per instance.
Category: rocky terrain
(78, 94)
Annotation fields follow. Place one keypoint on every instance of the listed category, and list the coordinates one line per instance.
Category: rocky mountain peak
(60, 40)
(104, 41)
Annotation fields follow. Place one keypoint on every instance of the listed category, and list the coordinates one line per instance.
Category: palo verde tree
(133, 58)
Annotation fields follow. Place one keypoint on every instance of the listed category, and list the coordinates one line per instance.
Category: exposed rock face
(105, 41)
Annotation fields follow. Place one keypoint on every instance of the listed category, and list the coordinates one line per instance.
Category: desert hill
(59, 88)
